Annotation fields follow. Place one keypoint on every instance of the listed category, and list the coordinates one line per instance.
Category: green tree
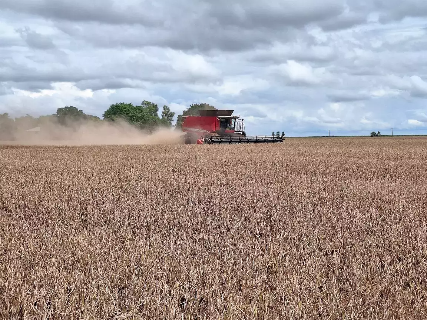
(167, 116)
(193, 110)
(121, 111)
(70, 115)
(151, 111)
(144, 116)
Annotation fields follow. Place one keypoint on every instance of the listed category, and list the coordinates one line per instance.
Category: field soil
(311, 228)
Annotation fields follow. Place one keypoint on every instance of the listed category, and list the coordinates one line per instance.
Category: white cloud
(414, 122)
(415, 85)
(302, 74)
(195, 66)
(301, 50)
(335, 106)
(234, 86)
(419, 86)
(384, 92)
(177, 108)
(231, 86)
(59, 89)
(365, 121)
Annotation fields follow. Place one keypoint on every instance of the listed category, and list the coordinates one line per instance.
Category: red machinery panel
(210, 124)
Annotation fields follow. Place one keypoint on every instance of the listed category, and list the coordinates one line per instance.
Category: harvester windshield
(227, 123)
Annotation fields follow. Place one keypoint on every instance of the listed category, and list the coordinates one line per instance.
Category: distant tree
(278, 134)
(144, 116)
(70, 115)
(167, 116)
(373, 134)
(121, 111)
(151, 111)
(193, 110)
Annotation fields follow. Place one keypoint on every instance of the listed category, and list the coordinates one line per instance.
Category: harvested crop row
(306, 229)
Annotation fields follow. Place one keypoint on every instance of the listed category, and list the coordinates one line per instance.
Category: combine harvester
(219, 126)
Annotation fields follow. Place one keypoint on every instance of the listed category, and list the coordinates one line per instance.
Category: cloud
(109, 83)
(302, 50)
(296, 73)
(232, 86)
(419, 115)
(344, 21)
(346, 96)
(200, 34)
(109, 11)
(244, 13)
(274, 14)
(416, 123)
(193, 66)
(414, 85)
(35, 39)
(4, 90)
(324, 117)
(395, 10)
(302, 67)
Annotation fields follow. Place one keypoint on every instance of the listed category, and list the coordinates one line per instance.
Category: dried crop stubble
(311, 228)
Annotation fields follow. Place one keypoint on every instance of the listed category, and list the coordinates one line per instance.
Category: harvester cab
(231, 125)
(219, 126)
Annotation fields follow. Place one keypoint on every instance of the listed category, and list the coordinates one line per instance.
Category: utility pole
(392, 132)
(329, 132)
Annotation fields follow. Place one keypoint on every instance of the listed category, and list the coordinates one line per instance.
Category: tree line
(145, 116)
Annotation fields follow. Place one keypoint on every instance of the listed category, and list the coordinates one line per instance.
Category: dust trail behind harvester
(94, 133)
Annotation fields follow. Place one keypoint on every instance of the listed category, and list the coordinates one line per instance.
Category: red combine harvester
(219, 126)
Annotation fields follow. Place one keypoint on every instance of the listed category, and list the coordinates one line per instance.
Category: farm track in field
(310, 228)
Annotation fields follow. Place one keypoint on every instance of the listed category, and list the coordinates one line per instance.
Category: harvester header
(219, 126)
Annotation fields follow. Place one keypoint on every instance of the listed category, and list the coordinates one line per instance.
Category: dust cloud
(92, 133)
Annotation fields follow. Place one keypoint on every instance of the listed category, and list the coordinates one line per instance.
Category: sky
(304, 67)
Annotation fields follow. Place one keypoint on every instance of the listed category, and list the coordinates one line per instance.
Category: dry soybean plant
(312, 228)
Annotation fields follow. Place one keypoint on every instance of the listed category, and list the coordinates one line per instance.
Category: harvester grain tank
(219, 126)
